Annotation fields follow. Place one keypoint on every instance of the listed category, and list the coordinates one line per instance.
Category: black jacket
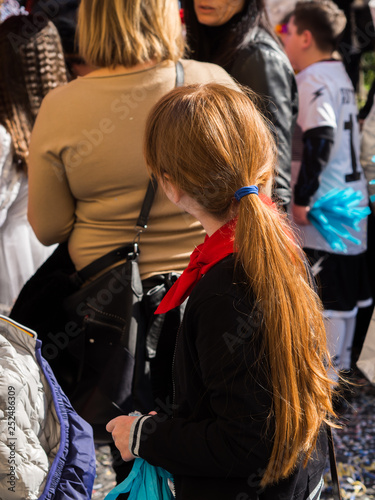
(217, 444)
(263, 66)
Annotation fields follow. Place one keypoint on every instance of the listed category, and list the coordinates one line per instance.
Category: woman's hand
(120, 429)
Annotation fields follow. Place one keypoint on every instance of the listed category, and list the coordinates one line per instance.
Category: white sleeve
(10, 179)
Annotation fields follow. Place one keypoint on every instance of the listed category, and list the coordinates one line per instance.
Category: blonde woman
(88, 177)
(251, 392)
(87, 173)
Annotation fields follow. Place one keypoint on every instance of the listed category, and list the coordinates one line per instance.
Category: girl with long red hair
(251, 395)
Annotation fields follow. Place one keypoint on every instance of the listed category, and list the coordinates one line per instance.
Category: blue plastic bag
(335, 210)
(145, 482)
(372, 197)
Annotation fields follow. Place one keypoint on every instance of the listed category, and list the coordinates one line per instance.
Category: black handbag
(104, 316)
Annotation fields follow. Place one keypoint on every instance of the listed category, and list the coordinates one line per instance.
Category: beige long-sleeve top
(87, 174)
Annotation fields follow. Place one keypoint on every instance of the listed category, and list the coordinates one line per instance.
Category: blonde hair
(31, 64)
(129, 32)
(218, 142)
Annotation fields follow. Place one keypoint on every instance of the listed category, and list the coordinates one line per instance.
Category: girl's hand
(120, 429)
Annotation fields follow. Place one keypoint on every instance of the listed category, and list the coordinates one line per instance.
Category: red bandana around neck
(214, 249)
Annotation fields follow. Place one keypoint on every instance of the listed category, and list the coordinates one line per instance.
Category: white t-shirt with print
(327, 99)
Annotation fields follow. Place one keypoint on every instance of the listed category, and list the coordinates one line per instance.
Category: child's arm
(317, 120)
(318, 143)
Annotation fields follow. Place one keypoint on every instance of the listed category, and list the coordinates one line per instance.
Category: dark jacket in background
(254, 58)
(262, 65)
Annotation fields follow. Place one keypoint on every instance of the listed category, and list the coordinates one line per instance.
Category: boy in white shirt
(330, 133)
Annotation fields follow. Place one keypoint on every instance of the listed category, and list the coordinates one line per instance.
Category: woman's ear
(172, 192)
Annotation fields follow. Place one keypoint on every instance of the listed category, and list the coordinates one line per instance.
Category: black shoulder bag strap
(332, 460)
(130, 250)
(152, 185)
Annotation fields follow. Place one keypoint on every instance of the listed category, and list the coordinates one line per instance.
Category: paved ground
(355, 450)
(105, 479)
(355, 446)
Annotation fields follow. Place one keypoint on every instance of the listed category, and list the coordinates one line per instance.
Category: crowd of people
(248, 313)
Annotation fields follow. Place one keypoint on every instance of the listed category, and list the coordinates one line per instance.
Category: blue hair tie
(244, 191)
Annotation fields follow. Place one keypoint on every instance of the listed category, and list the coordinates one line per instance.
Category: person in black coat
(251, 397)
(237, 36)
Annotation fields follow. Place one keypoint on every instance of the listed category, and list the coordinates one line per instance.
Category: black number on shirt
(355, 175)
